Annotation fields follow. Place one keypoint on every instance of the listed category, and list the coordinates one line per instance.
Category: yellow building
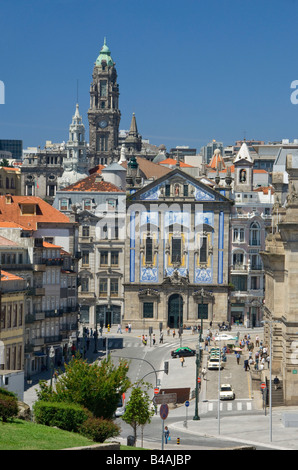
(10, 180)
(12, 321)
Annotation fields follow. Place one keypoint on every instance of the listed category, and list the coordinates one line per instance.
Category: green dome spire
(105, 54)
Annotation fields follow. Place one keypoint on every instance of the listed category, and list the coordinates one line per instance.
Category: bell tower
(104, 114)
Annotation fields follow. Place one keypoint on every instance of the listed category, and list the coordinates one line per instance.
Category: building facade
(250, 219)
(176, 253)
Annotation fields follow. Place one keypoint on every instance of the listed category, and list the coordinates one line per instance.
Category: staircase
(277, 395)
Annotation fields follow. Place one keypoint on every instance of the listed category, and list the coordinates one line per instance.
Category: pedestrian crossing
(138, 344)
(235, 405)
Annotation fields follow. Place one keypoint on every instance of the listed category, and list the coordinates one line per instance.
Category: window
(149, 250)
(202, 311)
(168, 190)
(148, 310)
(176, 250)
(111, 204)
(87, 204)
(85, 231)
(85, 258)
(254, 283)
(115, 258)
(85, 284)
(114, 287)
(103, 91)
(254, 234)
(104, 256)
(238, 260)
(203, 249)
(238, 235)
(239, 282)
(185, 190)
(102, 142)
(63, 204)
(103, 287)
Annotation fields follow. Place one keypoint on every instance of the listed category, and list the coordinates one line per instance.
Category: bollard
(178, 440)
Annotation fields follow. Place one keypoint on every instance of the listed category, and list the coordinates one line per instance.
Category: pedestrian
(167, 434)
(182, 360)
(257, 341)
(276, 382)
(119, 328)
(153, 338)
(129, 327)
(204, 372)
(268, 361)
(174, 334)
(238, 358)
(246, 365)
(168, 331)
(161, 338)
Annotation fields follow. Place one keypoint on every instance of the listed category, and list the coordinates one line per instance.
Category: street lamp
(52, 355)
(198, 359)
(270, 323)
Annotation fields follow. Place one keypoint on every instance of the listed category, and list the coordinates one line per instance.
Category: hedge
(8, 404)
(67, 416)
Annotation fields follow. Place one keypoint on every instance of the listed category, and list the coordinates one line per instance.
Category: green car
(183, 352)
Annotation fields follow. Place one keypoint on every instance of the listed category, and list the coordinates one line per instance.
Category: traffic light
(166, 367)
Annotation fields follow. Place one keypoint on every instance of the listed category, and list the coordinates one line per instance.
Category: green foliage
(99, 429)
(96, 387)
(65, 416)
(138, 409)
(8, 405)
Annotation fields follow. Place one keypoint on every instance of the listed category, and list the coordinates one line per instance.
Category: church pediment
(178, 186)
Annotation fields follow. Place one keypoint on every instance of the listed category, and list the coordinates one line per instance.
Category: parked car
(183, 352)
(226, 392)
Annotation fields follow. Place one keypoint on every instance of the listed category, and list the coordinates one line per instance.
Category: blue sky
(192, 71)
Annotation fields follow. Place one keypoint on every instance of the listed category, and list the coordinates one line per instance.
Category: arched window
(7, 183)
(255, 234)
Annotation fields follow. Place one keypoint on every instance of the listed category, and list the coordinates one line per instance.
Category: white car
(226, 392)
(224, 337)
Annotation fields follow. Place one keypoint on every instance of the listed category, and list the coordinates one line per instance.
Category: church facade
(176, 253)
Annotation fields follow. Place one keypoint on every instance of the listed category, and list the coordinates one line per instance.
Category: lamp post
(198, 360)
(52, 355)
(270, 323)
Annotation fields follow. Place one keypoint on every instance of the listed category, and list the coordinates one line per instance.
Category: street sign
(199, 380)
(164, 411)
(156, 391)
(187, 403)
(163, 398)
(263, 385)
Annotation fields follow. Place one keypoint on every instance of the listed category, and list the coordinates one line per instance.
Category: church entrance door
(175, 311)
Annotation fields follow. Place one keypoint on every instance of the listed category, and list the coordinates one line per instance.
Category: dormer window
(63, 204)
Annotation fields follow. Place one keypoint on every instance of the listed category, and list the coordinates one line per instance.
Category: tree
(97, 386)
(138, 410)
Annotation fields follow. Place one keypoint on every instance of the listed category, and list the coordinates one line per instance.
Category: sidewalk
(250, 429)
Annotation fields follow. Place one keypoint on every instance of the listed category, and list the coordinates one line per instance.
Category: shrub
(65, 416)
(8, 405)
(99, 429)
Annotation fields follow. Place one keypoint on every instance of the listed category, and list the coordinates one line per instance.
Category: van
(215, 363)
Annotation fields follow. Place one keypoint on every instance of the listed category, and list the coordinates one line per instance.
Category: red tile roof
(12, 211)
(172, 161)
(93, 184)
(5, 276)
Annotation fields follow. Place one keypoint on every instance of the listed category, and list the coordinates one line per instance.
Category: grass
(25, 435)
